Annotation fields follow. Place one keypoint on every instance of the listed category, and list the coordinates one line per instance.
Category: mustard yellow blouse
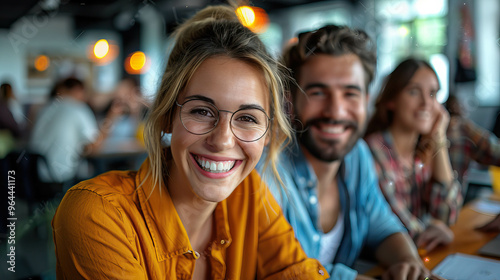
(107, 228)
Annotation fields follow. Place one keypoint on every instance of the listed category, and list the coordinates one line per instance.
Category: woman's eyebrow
(211, 101)
(252, 106)
(200, 97)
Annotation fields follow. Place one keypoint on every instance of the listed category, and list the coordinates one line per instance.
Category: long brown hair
(393, 86)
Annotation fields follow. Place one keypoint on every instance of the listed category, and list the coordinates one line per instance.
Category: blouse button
(313, 200)
(222, 241)
(316, 238)
(321, 272)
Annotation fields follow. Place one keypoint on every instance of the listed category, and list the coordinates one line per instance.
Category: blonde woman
(407, 137)
(194, 210)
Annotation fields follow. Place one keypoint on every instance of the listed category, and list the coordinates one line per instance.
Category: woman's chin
(214, 194)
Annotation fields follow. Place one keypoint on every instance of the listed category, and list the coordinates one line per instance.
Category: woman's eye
(413, 91)
(202, 112)
(248, 119)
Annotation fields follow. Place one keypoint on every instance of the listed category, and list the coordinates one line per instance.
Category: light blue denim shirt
(368, 218)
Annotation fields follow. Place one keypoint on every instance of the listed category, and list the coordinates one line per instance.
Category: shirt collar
(388, 140)
(303, 172)
(164, 224)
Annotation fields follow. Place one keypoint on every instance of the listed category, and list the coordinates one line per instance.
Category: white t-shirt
(330, 241)
(61, 132)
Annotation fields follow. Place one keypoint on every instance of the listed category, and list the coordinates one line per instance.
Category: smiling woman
(407, 136)
(196, 209)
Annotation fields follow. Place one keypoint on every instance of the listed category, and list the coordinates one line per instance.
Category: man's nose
(335, 107)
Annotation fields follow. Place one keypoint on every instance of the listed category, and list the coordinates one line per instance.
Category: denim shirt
(368, 218)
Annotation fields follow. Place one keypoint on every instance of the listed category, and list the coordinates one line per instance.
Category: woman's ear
(268, 139)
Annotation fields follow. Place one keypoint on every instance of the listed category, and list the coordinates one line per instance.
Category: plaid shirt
(468, 142)
(413, 195)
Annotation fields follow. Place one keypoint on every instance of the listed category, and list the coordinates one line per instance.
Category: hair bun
(218, 12)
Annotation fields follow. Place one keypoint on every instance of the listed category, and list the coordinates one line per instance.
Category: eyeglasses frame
(218, 118)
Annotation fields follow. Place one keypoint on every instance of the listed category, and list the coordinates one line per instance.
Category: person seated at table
(331, 196)
(407, 137)
(14, 106)
(196, 209)
(10, 130)
(127, 130)
(468, 141)
(493, 225)
(65, 129)
(128, 95)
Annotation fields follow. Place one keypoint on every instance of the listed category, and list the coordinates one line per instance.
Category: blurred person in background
(196, 209)
(10, 129)
(65, 129)
(493, 225)
(468, 141)
(127, 94)
(407, 136)
(331, 195)
(127, 131)
(7, 94)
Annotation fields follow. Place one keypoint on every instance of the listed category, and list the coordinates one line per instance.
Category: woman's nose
(222, 138)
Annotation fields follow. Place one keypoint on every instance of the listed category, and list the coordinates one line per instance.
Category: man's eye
(316, 93)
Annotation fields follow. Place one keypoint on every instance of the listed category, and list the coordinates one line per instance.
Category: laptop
(492, 248)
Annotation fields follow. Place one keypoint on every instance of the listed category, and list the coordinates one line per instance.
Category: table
(120, 154)
(467, 240)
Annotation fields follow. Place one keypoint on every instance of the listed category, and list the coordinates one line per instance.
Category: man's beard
(333, 152)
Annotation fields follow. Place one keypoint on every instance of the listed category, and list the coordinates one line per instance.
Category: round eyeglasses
(200, 117)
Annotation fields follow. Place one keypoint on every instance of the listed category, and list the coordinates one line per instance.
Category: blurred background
(118, 50)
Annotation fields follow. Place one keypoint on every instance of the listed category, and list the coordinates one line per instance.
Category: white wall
(487, 29)
(53, 35)
(153, 45)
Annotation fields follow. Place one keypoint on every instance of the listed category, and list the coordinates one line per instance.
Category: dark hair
(453, 106)
(6, 91)
(71, 83)
(66, 84)
(54, 90)
(331, 40)
(392, 88)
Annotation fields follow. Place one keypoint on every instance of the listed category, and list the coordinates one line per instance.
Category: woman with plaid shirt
(407, 136)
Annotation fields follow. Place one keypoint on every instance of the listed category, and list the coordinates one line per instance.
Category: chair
(28, 185)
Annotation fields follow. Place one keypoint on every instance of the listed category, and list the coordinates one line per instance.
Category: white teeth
(215, 166)
(334, 129)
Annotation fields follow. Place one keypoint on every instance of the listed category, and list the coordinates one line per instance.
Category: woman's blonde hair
(214, 31)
